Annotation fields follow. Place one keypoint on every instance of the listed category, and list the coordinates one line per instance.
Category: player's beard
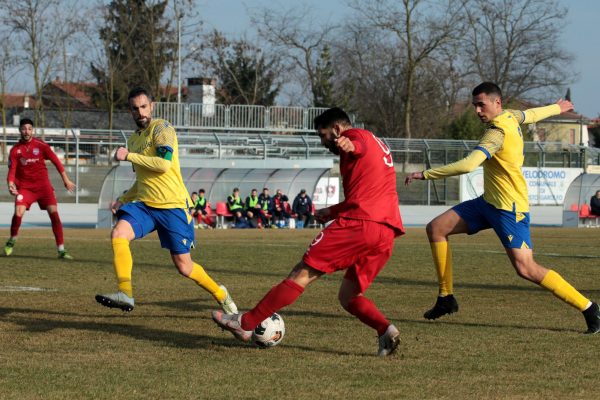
(332, 147)
(143, 122)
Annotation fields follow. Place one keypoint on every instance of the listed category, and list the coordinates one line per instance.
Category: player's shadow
(167, 337)
(484, 325)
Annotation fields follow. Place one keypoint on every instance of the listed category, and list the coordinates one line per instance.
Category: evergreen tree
(245, 74)
(323, 88)
(138, 44)
(467, 126)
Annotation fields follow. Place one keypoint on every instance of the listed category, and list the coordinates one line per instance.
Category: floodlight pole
(178, 57)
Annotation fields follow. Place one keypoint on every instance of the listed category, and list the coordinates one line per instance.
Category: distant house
(59, 94)
(17, 101)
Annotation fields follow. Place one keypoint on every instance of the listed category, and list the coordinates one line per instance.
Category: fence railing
(247, 118)
(90, 152)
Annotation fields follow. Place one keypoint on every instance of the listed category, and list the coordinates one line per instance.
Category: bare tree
(41, 26)
(299, 44)
(246, 73)
(515, 43)
(421, 29)
(188, 36)
(372, 76)
(8, 70)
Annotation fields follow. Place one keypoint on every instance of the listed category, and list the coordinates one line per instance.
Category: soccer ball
(269, 332)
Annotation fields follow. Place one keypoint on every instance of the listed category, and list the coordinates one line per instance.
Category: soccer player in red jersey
(28, 181)
(359, 240)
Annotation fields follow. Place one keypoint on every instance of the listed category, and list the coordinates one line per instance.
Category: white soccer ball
(270, 332)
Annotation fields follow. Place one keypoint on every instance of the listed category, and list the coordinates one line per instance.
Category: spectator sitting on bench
(254, 209)
(236, 207)
(595, 203)
(264, 200)
(302, 207)
(280, 215)
(199, 210)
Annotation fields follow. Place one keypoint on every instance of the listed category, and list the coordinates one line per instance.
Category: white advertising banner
(546, 186)
(327, 192)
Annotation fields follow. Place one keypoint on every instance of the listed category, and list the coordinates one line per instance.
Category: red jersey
(27, 164)
(369, 181)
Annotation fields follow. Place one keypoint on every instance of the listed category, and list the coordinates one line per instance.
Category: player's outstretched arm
(412, 177)
(466, 165)
(537, 114)
(565, 105)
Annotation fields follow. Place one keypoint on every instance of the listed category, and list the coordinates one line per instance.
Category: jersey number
(387, 157)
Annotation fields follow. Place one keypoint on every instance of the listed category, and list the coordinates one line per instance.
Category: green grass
(510, 339)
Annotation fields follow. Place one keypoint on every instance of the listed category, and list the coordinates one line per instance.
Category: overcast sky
(581, 37)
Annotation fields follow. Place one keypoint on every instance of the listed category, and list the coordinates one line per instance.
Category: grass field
(510, 339)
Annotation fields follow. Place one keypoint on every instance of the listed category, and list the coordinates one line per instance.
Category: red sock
(366, 311)
(57, 228)
(284, 294)
(15, 225)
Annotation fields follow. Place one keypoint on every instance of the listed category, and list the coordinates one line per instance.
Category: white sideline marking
(24, 289)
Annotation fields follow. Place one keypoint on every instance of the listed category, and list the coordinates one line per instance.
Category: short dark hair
(330, 117)
(193, 193)
(201, 191)
(265, 188)
(25, 121)
(487, 88)
(138, 91)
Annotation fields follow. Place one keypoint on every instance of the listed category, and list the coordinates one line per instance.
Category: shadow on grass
(167, 337)
(485, 325)
(170, 338)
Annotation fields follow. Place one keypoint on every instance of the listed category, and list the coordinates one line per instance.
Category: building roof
(75, 90)
(18, 100)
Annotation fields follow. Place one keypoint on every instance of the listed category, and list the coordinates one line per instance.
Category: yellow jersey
(503, 154)
(158, 181)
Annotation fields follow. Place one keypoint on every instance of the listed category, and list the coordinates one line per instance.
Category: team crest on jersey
(510, 238)
(36, 151)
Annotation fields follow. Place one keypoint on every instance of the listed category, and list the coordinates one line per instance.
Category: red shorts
(360, 247)
(44, 196)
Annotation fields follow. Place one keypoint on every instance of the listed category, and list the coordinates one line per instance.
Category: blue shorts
(511, 227)
(175, 226)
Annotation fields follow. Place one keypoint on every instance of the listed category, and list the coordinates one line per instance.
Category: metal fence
(89, 152)
(247, 118)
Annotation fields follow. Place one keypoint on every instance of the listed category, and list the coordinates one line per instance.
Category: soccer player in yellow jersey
(158, 200)
(504, 205)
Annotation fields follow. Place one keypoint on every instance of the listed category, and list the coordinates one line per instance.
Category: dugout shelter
(219, 177)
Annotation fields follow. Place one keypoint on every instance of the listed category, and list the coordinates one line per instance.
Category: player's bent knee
(529, 271)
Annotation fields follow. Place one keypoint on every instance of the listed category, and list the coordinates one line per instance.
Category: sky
(581, 37)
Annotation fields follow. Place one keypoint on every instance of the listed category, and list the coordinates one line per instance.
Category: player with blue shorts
(504, 205)
(157, 201)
